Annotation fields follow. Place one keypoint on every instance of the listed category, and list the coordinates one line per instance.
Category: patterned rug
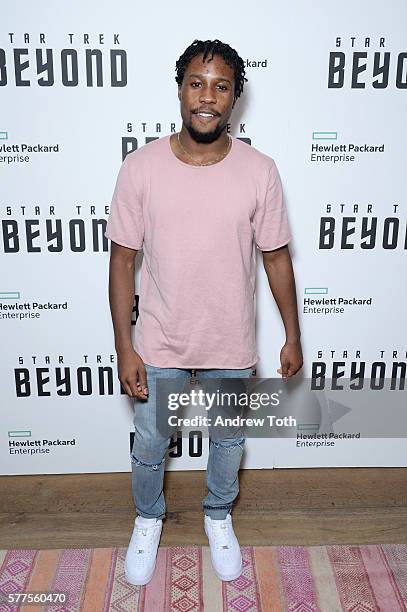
(275, 578)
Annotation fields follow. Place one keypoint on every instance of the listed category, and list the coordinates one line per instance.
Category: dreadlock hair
(211, 48)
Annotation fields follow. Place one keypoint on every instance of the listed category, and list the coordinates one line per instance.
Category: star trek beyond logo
(72, 60)
(59, 376)
(360, 227)
(385, 369)
(366, 62)
(44, 228)
(140, 133)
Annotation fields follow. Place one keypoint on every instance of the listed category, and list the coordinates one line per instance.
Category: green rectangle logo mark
(316, 290)
(9, 295)
(19, 433)
(324, 135)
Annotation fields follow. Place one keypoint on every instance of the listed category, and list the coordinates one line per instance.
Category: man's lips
(205, 116)
(206, 111)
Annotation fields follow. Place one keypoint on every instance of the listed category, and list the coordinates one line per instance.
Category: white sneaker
(141, 554)
(225, 550)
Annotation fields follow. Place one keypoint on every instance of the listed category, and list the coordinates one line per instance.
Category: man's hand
(291, 359)
(132, 374)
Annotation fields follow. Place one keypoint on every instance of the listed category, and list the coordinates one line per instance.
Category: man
(198, 202)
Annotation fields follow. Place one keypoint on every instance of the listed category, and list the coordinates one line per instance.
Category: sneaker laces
(221, 534)
(148, 534)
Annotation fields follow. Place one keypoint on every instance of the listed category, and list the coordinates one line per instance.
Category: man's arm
(132, 372)
(281, 279)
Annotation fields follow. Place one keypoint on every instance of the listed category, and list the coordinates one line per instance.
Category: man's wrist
(124, 347)
(293, 339)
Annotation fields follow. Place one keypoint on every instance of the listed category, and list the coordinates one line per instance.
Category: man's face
(207, 97)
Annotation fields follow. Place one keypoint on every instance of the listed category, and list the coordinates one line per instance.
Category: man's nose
(207, 95)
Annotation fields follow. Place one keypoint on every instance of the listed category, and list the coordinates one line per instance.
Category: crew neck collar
(196, 166)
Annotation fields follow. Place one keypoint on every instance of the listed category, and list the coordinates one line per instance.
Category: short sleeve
(125, 224)
(270, 221)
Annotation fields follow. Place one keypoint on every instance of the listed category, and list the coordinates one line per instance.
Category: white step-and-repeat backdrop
(83, 83)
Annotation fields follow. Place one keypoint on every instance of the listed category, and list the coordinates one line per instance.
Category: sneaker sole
(140, 582)
(229, 578)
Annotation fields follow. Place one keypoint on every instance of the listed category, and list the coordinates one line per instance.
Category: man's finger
(285, 367)
(142, 380)
(138, 390)
(129, 385)
(127, 388)
(133, 388)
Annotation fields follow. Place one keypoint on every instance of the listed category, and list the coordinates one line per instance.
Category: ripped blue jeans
(150, 447)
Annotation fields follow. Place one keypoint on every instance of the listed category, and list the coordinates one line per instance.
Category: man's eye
(195, 83)
(222, 87)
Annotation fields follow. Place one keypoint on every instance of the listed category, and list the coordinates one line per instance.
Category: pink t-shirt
(198, 227)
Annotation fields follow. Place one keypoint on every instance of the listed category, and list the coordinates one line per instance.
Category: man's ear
(179, 93)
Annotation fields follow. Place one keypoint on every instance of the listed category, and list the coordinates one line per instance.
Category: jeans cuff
(150, 516)
(219, 513)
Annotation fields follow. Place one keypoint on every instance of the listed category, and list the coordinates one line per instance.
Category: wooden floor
(275, 507)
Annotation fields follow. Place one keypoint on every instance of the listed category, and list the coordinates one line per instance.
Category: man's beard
(205, 137)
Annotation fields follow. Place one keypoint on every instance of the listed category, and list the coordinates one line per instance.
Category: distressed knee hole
(152, 466)
(230, 444)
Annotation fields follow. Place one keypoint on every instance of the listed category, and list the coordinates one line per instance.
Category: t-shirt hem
(123, 242)
(277, 246)
(203, 367)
